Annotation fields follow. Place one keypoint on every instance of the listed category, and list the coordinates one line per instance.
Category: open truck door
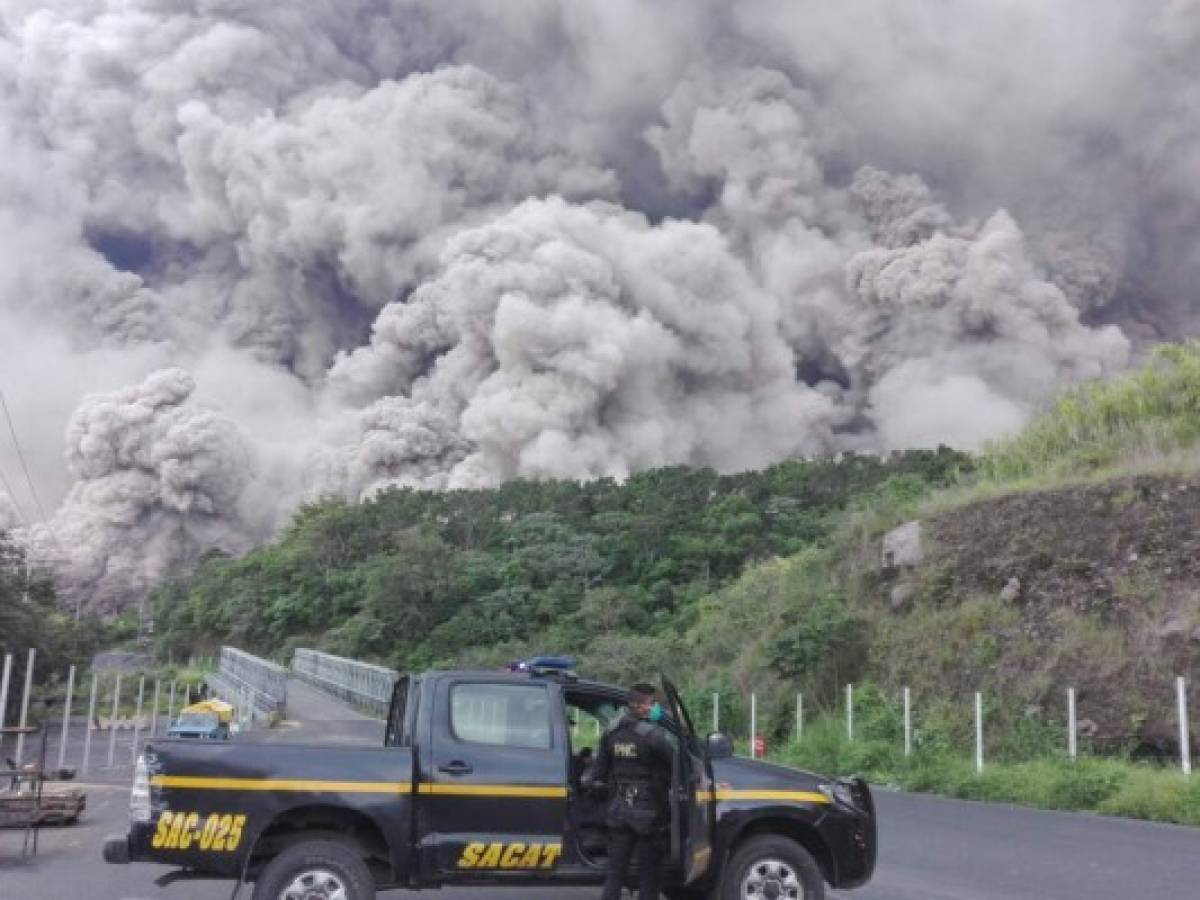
(692, 794)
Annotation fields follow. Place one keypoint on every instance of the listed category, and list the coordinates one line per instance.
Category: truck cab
(480, 781)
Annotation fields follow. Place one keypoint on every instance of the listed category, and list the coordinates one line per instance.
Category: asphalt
(930, 848)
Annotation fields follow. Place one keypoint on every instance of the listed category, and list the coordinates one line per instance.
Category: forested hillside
(620, 574)
(1042, 564)
(32, 617)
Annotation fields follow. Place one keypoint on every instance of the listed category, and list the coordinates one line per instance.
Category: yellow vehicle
(207, 719)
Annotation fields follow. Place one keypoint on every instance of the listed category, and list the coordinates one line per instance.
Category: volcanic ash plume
(448, 244)
(578, 341)
(158, 480)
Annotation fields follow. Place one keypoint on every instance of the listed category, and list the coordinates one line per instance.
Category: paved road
(931, 849)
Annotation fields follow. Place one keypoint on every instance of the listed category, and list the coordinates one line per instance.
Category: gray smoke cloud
(157, 478)
(565, 341)
(336, 246)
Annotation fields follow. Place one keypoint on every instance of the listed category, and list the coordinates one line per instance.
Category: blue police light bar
(543, 664)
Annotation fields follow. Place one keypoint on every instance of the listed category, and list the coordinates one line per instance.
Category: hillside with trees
(618, 574)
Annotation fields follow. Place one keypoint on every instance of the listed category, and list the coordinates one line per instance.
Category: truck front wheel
(316, 870)
(771, 867)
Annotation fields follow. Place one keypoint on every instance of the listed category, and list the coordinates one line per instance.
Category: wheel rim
(315, 884)
(771, 879)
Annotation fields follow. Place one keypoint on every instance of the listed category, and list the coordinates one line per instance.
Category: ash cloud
(254, 254)
(158, 479)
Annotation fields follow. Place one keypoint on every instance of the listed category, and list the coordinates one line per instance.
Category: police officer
(635, 762)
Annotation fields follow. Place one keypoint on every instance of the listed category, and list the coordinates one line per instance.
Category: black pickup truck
(479, 782)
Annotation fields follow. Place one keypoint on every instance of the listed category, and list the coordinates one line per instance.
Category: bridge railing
(363, 684)
(256, 687)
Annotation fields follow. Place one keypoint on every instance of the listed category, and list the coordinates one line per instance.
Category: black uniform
(635, 761)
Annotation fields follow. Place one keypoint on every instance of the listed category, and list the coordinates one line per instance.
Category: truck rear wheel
(316, 870)
(771, 867)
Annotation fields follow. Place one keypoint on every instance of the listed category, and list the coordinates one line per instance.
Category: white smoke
(451, 244)
(569, 341)
(158, 479)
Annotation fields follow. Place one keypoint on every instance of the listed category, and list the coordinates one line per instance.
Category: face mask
(656, 712)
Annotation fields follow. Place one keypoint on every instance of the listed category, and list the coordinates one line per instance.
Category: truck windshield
(197, 721)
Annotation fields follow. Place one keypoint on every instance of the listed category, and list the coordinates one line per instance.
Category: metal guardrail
(363, 684)
(256, 686)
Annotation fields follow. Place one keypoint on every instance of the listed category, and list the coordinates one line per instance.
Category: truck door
(493, 786)
(693, 809)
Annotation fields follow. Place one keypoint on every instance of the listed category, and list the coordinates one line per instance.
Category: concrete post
(154, 711)
(112, 725)
(799, 717)
(62, 741)
(25, 703)
(8, 658)
(1072, 728)
(753, 726)
(171, 706)
(91, 724)
(978, 731)
(1185, 738)
(850, 712)
(907, 722)
(716, 712)
(133, 750)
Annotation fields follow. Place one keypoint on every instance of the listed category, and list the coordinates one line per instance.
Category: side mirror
(719, 745)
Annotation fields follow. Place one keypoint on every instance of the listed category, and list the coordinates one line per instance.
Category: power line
(21, 459)
(13, 497)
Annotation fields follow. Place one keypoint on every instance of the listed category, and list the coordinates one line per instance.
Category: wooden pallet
(57, 807)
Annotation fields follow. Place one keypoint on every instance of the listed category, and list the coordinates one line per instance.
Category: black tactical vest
(640, 754)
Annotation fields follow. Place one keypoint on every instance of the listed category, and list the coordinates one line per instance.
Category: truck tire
(770, 866)
(316, 869)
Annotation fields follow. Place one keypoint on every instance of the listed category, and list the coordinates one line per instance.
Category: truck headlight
(838, 792)
(139, 795)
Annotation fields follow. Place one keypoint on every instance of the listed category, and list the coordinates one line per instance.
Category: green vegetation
(1047, 779)
(1100, 424)
(31, 616)
(628, 576)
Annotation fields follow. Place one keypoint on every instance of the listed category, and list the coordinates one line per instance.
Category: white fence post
(137, 720)
(62, 741)
(4, 690)
(1072, 729)
(154, 712)
(850, 712)
(907, 722)
(91, 724)
(799, 717)
(1185, 739)
(25, 703)
(112, 724)
(753, 726)
(171, 705)
(978, 731)
(716, 712)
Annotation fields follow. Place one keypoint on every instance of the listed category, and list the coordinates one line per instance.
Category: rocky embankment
(1095, 586)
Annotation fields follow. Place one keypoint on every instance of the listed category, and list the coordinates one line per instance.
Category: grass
(1052, 781)
(1153, 410)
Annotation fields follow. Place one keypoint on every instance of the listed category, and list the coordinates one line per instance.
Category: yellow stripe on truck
(204, 783)
(195, 782)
